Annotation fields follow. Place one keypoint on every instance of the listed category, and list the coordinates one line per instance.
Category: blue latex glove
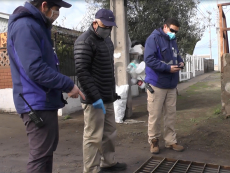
(99, 105)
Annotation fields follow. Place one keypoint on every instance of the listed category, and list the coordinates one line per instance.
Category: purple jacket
(34, 65)
(160, 53)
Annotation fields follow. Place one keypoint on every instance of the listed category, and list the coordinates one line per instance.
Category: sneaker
(175, 147)
(154, 146)
(117, 167)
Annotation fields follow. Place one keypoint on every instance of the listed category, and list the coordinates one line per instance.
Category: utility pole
(218, 37)
(120, 40)
(210, 40)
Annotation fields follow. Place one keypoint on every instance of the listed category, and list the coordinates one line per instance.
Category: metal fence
(194, 64)
(64, 47)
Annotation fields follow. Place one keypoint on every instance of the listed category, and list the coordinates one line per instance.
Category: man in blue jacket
(35, 75)
(163, 64)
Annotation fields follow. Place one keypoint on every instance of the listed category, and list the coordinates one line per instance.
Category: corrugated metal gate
(165, 165)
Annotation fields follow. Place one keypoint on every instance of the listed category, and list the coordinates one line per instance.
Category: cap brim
(108, 23)
(63, 4)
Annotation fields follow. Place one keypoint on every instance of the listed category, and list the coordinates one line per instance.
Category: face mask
(171, 35)
(53, 16)
(103, 32)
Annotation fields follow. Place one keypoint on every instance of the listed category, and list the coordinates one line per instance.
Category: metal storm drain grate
(165, 165)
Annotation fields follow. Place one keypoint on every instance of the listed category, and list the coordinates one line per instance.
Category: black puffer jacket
(95, 67)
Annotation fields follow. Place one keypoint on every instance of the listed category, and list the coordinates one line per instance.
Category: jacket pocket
(166, 56)
(164, 79)
(84, 106)
(164, 53)
(30, 125)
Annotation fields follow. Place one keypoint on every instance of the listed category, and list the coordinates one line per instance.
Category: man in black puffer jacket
(93, 53)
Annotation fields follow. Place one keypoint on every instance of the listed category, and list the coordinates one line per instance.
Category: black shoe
(117, 167)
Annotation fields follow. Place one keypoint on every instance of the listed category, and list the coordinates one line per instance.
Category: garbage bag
(120, 105)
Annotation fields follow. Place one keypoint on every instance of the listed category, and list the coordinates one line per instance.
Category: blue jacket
(34, 65)
(160, 53)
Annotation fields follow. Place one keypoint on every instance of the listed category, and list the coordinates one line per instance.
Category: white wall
(72, 106)
(6, 100)
(7, 103)
(3, 24)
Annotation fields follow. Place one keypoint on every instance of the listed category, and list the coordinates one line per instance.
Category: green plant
(217, 111)
(193, 120)
(67, 117)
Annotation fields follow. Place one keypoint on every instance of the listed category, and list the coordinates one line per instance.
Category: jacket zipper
(111, 67)
(170, 46)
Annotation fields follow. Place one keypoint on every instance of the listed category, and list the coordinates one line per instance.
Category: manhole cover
(165, 165)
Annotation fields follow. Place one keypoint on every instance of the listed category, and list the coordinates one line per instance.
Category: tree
(92, 7)
(146, 15)
(63, 42)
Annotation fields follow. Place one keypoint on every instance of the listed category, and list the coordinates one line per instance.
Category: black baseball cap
(106, 16)
(60, 3)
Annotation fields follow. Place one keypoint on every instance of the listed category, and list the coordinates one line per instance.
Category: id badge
(174, 52)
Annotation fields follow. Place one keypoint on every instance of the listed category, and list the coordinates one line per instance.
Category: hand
(75, 92)
(99, 105)
(174, 69)
(181, 64)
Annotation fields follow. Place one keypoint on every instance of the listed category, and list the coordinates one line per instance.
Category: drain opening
(165, 165)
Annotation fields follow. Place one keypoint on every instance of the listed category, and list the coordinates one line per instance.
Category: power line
(204, 44)
(206, 18)
(203, 7)
(226, 12)
(206, 47)
(202, 13)
(210, 32)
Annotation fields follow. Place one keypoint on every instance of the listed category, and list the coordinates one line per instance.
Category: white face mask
(53, 16)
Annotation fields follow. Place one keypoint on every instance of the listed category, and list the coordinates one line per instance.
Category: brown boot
(154, 146)
(175, 147)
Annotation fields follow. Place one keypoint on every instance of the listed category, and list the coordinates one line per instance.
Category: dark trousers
(42, 141)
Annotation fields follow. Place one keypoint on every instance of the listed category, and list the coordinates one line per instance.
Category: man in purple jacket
(163, 64)
(35, 75)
